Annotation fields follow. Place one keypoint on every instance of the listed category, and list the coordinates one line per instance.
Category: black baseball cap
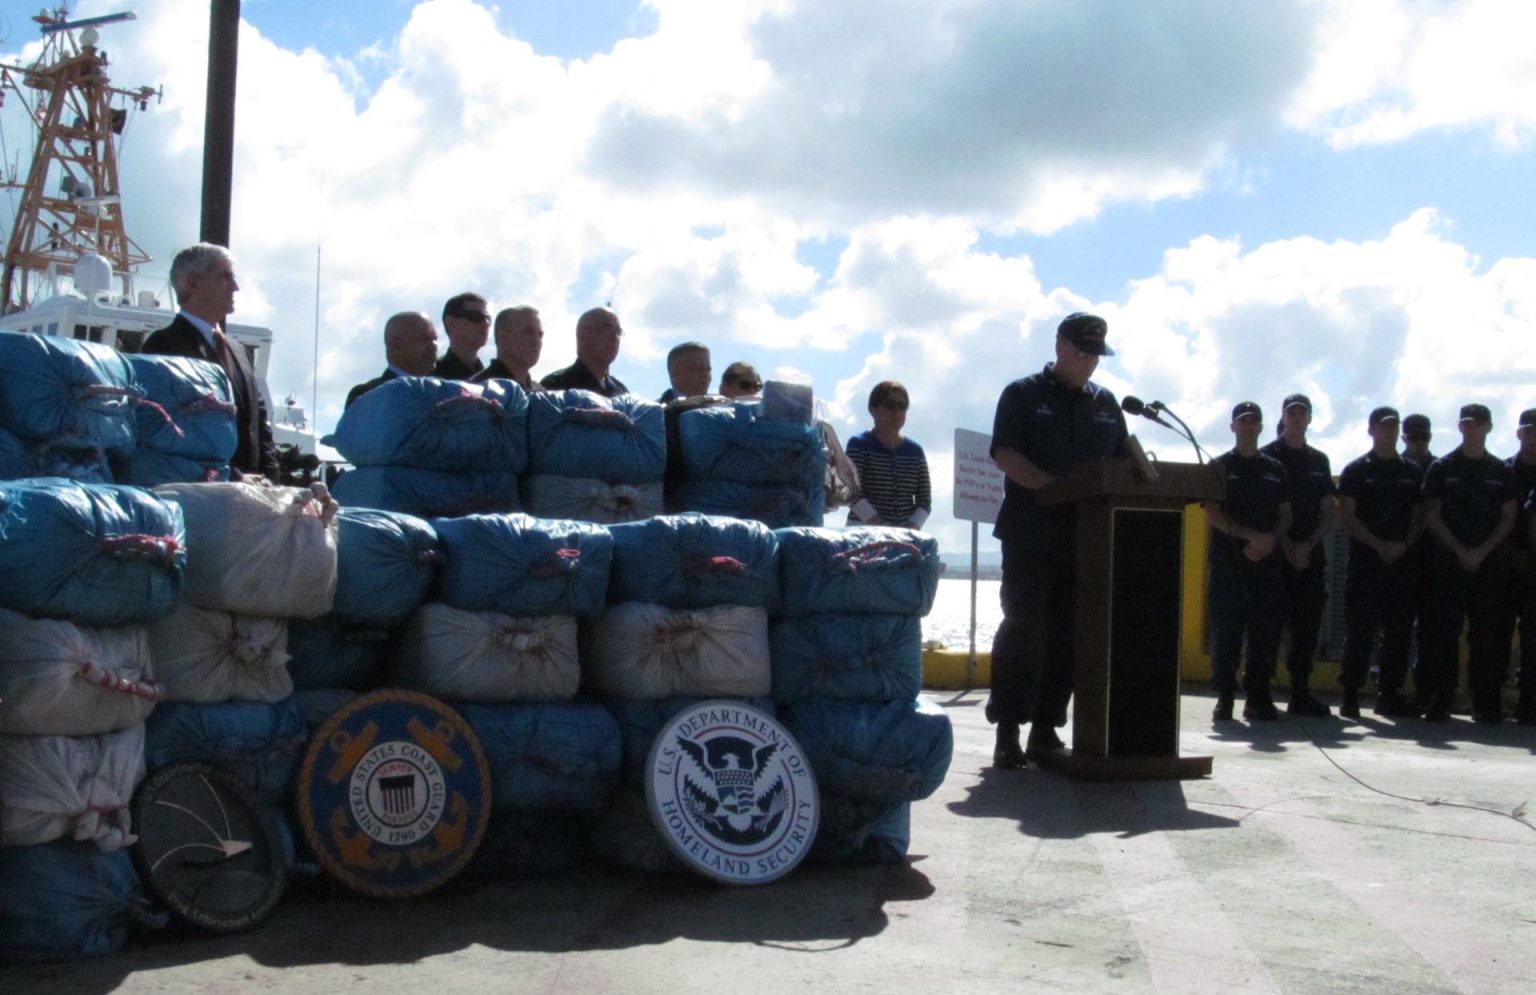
(1291, 400)
(1246, 408)
(1528, 418)
(1086, 331)
(1416, 425)
(1476, 412)
(1381, 414)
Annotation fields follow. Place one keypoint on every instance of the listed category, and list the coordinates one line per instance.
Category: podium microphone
(1155, 411)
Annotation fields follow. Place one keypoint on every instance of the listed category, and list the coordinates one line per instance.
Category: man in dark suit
(410, 350)
(203, 277)
(467, 323)
(597, 346)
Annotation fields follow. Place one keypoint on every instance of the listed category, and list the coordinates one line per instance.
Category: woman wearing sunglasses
(893, 471)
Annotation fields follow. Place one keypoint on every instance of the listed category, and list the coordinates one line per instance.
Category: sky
(1325, 196)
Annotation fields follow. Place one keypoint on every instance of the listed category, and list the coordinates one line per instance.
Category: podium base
(1090, 768)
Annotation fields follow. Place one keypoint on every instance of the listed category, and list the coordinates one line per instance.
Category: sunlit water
(950, 621)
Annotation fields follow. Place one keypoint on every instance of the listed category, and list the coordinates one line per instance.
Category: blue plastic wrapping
(66, 900)
(520, 565)
(695, 561)
(20, 460)
(884, 753)
(151, 468)
(329, 652)
(196, 408)
(427, 493)
(76, 395)
(777, 506)
(853, 657)
(576, 433)
(861, 832)
(434, 424)
(385, 564)
(260, 744)
(735, 442)
(547, 757)
(96, 554)
(521, 843)
(640, 721)
(858, 571)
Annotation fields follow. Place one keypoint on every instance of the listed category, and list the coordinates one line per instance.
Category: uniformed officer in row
(1470, 502)
(1310, 476)
(1046, 424)
(1520, 604)
(1380, 508)
(1417, 433)
(1247, 583)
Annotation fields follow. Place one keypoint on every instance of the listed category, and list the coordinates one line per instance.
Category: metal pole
(219, 120)
(970, 662)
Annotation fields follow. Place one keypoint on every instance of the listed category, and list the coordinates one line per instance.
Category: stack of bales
(432, 447)
(593, 458)
(83, 569)
(687, 621)
(847, 669)
(187, 432)
(500, 644)
(64, 407)
(750, 459)
(258, 555)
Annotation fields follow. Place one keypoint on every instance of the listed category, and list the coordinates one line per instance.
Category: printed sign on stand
(978, 481)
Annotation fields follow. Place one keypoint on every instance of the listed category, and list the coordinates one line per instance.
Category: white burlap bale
(209, 656)
(488, 656)
(580, 499)
(256, 549)
(62, 679)
(74, 787)
(642, 651)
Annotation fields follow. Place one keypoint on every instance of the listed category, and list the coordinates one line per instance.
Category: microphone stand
(1200, 454)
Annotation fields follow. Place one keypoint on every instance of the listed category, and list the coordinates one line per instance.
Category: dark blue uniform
(1520, 602)
(1380, 597)
(1306, 592)
(1056, 427)
(1247, 599)
(1473, 493)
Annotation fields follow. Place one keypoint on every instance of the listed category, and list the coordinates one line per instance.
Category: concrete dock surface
(1320, 856)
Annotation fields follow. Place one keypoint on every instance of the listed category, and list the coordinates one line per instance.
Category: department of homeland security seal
(732, 793)
(394, 794)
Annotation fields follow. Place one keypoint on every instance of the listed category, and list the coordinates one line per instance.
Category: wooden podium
(1130, 558)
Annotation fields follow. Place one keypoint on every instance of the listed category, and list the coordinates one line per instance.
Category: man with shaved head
(597, 345)
(519, 342)
(410, 350)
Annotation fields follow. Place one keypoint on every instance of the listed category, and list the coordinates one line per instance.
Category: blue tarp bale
(695, 561)
(520, 565)
(576, 433)
(735, 442)
(522, 843)
(777, 506)
(640, 721)
(151, 468)
(427, 493)
(260, 744)
(196, 408)
(885, 753)
(96, 554)
(329, 652)
(434, 424)
(20, 460)
(66, 900)
(77, 395)
(867, 570)
(385, 564)
(861, 832)
(853, 657)
(547, 757)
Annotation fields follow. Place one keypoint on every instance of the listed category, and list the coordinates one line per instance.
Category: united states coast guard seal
(394, 794)
(732, 793)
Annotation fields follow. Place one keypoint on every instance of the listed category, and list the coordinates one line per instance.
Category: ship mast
(69, 96)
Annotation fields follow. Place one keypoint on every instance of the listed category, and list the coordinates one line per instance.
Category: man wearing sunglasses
(467, 320)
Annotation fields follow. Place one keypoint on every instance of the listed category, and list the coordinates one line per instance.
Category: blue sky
(1316, 195)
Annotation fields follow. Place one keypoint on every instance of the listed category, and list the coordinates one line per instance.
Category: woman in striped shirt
(893, 471)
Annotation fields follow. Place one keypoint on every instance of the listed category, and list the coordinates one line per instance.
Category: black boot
(1391, 705)
(1043, 741)
(1350, 706)
(1223, 710)
(1525, 709)
(1303, 703)
(1007, 755)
